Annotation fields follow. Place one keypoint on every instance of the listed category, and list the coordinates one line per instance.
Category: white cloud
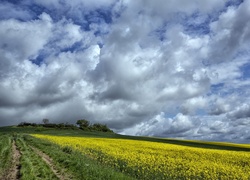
(159, 125)
(242, 111)
(70, 32)
(231, 33)
(8, 11)
(76, 3)
(22, 40)
(190, 106)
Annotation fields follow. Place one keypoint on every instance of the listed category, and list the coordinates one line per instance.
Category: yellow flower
(152, 160)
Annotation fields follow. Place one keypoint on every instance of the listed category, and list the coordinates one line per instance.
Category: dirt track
(59, 174)
(14, 172)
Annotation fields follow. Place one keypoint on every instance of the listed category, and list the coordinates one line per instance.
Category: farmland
(31, 153)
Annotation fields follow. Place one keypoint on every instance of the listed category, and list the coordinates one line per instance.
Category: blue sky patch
(245, 69)
(74, 48)
(39, 59)
(216, 88)
(197, 24)
(234, 2)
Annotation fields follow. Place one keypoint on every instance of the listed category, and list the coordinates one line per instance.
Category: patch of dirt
(14, 172)
(59, 174)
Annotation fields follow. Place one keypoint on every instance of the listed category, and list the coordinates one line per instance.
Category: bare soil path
(59, 174)
(14, 172)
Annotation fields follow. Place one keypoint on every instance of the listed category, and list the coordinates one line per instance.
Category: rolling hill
(54, 153)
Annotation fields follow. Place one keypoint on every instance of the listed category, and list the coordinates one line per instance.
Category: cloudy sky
(160, 68)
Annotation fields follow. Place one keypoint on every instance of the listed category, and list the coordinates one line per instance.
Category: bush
(100, 127)
(23, 124)
(50, 125)
(83, 124)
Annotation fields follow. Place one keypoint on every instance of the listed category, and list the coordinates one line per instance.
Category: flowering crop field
(155, 160)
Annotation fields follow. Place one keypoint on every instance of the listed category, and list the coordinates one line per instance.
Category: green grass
(32, 165)
(81, 166)
(5, 153)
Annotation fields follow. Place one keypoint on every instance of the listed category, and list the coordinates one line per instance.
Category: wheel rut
(59, 174)
(13, 173)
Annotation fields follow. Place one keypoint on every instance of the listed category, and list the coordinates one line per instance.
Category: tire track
(14, 172)
(59, 174)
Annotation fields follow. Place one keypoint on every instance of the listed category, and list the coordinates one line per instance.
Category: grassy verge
(5, 153)
(82, 167)
(32, 166)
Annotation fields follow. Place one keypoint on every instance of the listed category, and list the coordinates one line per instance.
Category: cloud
(22, 40)
(178, 126)
(8, 11)
(231, 33)
(192, 105)
(75, 3)
(240, 112)
(147, 68)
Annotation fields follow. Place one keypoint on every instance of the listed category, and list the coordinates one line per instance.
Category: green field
(29, 153)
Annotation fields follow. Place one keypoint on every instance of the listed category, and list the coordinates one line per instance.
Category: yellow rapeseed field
(153, 160)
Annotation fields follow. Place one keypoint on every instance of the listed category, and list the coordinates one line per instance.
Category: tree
(83, 124)
(45, 121)
(100, 127)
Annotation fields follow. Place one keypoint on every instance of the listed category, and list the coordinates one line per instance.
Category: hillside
(49, 153)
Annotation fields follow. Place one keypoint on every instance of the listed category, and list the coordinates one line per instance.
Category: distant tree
(50, 125)
(45, 121)
(61, 125)
(22, 124)
(100, 127)
(83, 124)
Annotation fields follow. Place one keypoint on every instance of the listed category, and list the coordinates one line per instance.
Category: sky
(173, 68)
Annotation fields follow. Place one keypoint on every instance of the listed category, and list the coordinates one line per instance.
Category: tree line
(82, 124)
